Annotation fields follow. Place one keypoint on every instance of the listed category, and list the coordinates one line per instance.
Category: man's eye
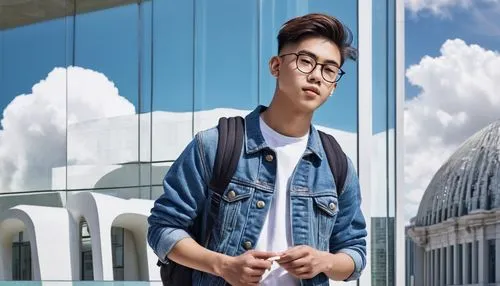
(331, 70)
(306, 61)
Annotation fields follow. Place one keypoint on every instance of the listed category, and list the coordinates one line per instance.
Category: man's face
(306, 91)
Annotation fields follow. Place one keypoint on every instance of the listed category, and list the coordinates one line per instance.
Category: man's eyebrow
(316, 57)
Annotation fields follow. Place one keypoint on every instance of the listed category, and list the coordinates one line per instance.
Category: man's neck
(286, 120)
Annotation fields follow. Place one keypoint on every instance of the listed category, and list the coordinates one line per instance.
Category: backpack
(230, 143)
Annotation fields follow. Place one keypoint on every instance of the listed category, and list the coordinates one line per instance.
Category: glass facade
(103, 97)
(384, 141)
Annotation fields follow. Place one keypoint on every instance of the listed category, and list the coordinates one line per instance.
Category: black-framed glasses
(306, 64)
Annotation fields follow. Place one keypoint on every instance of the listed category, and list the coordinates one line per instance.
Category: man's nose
(315, 74)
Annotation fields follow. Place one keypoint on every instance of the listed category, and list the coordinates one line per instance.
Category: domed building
(456, 233)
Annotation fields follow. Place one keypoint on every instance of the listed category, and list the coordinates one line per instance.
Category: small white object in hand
(274, 258)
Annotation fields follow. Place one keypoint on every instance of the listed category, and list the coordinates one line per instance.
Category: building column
(497, 260)
(465, 264)
(474, 262)
(456, 264)
(483, 258)
(436, 267)
(429, 262)
(449, 265)
(419, 266)
(442, 264)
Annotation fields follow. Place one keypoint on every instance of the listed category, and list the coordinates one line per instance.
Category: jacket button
(332, 206)
(261, 204)
(269, 157)
(247, 245)
(231, 195)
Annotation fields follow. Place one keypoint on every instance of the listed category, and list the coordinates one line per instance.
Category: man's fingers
(292, 254)
(262, 254)
(297, 263)
(260, 264)
(254, 272)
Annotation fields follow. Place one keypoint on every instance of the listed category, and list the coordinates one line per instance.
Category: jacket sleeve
(185, 190)
(349, 232)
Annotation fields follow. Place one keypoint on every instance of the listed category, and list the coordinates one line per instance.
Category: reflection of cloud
(33, 139)
(459, 96)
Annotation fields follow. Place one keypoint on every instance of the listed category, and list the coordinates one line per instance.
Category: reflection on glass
(21, 259)
(87, 267)
(226, 59)
(117, 237)
(32, 96)
(102, 99)
(173, 77)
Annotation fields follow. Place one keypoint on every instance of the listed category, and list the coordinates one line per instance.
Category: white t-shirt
(276, 232)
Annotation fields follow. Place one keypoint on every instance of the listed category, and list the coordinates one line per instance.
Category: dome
(468, 181)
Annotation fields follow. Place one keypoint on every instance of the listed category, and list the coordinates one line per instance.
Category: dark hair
(320, 25)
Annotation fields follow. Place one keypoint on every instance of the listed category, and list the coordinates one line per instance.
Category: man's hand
(246, 269)
(303, 262)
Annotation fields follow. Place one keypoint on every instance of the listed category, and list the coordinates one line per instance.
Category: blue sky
(426, 32)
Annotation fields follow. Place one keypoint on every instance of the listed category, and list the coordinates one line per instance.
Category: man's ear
(334, 87)
(274, 66)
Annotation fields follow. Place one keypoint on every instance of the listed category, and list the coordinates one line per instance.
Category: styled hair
(318, 25)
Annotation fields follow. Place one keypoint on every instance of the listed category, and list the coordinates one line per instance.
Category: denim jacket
(319, 218)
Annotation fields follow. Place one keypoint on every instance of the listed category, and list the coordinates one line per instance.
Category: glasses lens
(305, 63)
(331, 73)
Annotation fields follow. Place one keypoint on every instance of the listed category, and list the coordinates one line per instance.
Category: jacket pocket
(326, 210)
(233, 200)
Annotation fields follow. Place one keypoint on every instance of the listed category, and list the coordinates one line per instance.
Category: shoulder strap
(231, 131)
(336, 159)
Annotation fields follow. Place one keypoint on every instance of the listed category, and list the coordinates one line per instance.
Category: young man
(282, 203)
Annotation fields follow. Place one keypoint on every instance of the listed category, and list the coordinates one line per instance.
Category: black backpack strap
(230, 143)
(231, 131)
(337, 159)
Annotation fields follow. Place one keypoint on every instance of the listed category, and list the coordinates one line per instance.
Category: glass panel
(145, 89)
(103, 99)
(16, 261)
(25, 259)
(32, 96)
(173, 78)
(87, 271)
(117, 236)
(87, 266)
(383, 140)
(226, 60)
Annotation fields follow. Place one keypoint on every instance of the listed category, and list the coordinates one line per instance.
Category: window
(491, 262)
(117, 234)
(21, 259)
(87, 270)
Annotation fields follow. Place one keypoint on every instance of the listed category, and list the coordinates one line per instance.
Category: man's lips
(310, 88)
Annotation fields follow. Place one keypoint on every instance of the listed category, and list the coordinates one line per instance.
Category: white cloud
(33, 138)
(436, 7)
(442, 8)
(459, 96)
